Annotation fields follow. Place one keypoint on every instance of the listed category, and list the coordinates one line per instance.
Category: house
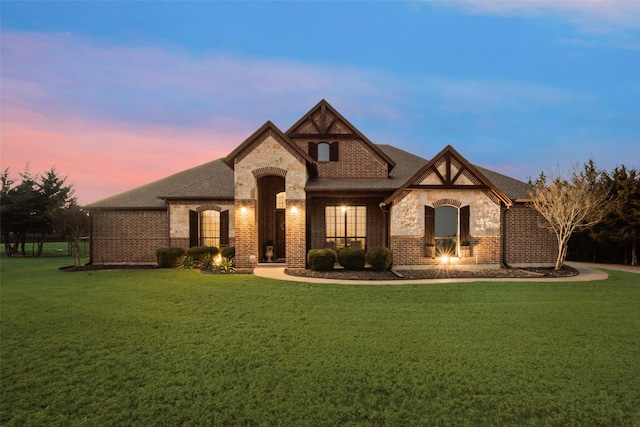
(323, 183)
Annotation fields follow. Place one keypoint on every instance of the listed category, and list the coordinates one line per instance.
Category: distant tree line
(39, 204)
(614, 239)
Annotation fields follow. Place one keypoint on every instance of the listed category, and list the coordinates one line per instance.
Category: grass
(179, 348)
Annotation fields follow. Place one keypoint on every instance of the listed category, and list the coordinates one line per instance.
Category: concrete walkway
(588, 272)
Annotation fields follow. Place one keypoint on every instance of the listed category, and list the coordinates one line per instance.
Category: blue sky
(117, 94)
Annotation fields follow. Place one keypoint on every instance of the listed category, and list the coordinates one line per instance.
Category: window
(446, 231)
(324, 151)
(346, 226)
(210, 228)
(281, 200)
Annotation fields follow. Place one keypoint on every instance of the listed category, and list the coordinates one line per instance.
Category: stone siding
(127, 236)
(267, 153)
(179, 216)
(407, 226)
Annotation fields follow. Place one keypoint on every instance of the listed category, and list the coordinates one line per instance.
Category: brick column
(246, 240)
(296, 233)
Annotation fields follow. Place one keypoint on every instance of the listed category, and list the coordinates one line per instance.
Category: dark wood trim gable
(448, 180)
(324, 128)
(269, 129)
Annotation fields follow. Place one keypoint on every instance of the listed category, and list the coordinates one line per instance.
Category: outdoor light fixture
(294, 210)
(243, 210)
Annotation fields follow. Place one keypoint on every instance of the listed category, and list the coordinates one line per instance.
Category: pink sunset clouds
(103, 158)
(112, 118)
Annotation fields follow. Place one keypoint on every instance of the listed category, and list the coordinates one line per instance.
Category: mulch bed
(442, 273)
(367, 274)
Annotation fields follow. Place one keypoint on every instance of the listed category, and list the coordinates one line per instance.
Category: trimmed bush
(229, 252)
(379, 258)
(169, 257)
(200, 253)
(351, 258)
(321, 259)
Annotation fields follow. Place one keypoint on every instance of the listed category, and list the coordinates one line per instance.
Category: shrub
(169, 257)
(321, 259)
(229, 253)
(200, 253)
(351, 258)
(379, 258)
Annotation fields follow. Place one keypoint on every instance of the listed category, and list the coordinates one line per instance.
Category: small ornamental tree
(72, 221)
(567, 204)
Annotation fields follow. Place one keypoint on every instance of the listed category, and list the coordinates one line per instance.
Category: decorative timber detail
(449, 170)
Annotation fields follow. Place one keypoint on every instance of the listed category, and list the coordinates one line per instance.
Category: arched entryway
(271, 218)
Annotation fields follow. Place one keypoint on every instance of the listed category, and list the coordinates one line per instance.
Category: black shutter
(429, 232)
(313, 150)
(224, 228)
(193, 229)
(333, 152)
(465, 236)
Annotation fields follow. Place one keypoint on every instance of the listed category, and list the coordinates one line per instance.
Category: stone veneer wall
(179, 219)
(267, 152)
(526, 240)
(127, 236)
(407, 226)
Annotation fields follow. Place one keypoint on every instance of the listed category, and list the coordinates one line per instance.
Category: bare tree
(568, 204)
(73, 221)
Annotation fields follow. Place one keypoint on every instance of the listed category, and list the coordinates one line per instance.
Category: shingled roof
(213, 180)
(514, 189)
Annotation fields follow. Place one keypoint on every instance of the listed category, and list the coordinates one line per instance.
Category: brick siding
(355, 160)
(246, 234)
(125, 236)
(296, 233)
(526, 240)
(410, 250)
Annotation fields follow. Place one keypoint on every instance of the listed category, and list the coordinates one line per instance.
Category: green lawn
(179, 348)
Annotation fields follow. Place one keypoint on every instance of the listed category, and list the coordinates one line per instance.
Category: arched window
(210, 228)
(324, 152)
(446, 232)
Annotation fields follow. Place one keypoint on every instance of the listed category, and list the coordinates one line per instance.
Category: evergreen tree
(27, 207)
(622, 219)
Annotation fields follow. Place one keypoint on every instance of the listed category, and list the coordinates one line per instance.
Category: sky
(116, 94)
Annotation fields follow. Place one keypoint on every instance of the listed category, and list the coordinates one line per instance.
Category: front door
(281, 248)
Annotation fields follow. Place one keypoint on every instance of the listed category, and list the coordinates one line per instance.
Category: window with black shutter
(333, 152)
(193, 228)
(313, 150)
(224, 228)
(429, 232)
